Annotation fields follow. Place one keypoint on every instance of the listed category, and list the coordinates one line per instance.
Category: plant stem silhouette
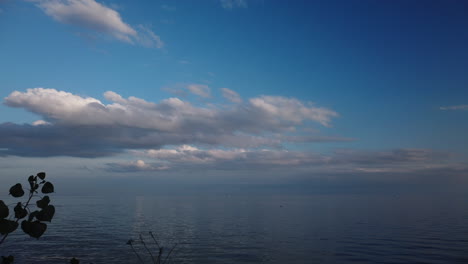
(31, 194)
(34, 225)
(160, 259)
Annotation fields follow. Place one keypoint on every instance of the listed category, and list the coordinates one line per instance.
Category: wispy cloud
(168, 8)
(91, 15)
(200, 89)
(230, 4)
(231, 95)
(454, 107)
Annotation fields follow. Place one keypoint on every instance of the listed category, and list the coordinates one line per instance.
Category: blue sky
(235, 87)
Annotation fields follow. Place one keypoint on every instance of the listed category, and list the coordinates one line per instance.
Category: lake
(236, 227)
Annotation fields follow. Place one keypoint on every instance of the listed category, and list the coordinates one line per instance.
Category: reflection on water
(255, 229)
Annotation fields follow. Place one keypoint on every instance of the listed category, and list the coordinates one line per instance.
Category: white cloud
(174, 134)
(230, 4)
(260, 114)
(200, 89)
(231, 95)
(138, 165)
(95, 16)
(348, 161)
(191, 155)
(53, 104)
(454, 107)
(40, 123)
(134, 123)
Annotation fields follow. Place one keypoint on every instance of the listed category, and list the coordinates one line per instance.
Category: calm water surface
(235, 228)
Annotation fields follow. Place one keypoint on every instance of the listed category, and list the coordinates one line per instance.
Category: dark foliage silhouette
(33, 221)
(161, 256)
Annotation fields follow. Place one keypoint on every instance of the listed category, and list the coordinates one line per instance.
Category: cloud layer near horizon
(340, 161)
(73, 125)
(251, 134)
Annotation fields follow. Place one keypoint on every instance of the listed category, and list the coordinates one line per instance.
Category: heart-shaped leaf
(46, 214)
(34, 229)
(31, 181)
(43, 202)
(41, 175)
(4, 211)
(17, 190)
(20, 212)
(32, 215)
(47, 188)
(7, 226)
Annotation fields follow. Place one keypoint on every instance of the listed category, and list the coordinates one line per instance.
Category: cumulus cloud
(259, 114)
(85, 126)
(454, 107)
(230, 4)
(100, 18)
(231, 95)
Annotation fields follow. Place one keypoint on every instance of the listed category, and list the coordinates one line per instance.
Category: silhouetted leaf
(46, 214)
(31, 181)
(4, 211)
(34, 229)
(17, 190)
(26, 226)
(43, 202)
(20, 212)
(7, 226)
(41, 175)
(47, 188)
(8, 260)
(74, 261)
(32, 215)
